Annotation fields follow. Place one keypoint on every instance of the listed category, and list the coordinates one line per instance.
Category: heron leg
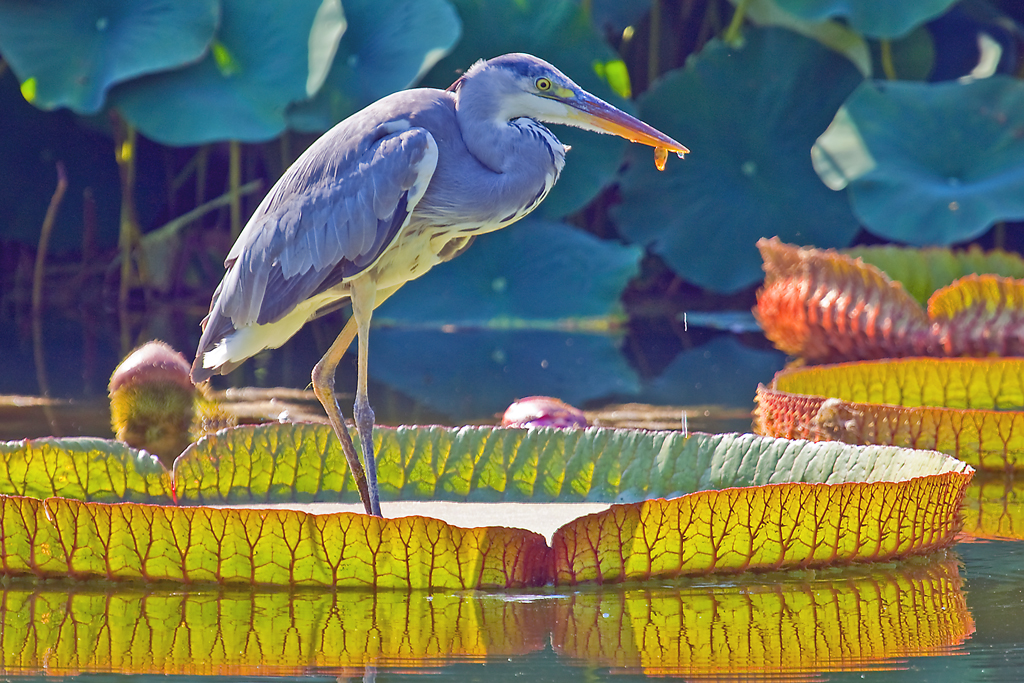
(323, 387)
(363, 294)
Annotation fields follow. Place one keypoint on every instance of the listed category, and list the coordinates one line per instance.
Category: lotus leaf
(750, 115)
(929, 163)
(388, 46)
(70, 56)
(873, 18)
(833, 34)
(519, 276)
(259, 64)
(761, 626)
(615, 15)
(561, 32)
(912, 57)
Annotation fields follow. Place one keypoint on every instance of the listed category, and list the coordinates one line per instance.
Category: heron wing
(329, 217)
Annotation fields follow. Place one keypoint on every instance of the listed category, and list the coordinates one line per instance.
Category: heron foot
(363, 415)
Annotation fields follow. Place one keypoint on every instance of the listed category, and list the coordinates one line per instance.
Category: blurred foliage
(71, 56)
(750, 115)
(260, 61)
(883, 145)
(386, 47)
(873, 19)
(906, 109)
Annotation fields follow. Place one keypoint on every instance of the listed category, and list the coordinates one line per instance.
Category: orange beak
(596, 113)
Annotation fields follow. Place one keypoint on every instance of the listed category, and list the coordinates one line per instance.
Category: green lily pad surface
(70, 54)
(929, 163)
(387, 46)
(259, 64)
(750, 116)
(873, 18)
(561, 32)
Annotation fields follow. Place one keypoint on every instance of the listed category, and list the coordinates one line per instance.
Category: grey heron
(384, 196)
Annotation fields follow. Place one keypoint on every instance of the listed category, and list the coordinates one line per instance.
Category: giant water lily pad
(70, 55)
(862, 618)
(929, 163)
(824, 306)
(561, 32)
(750, 116)
(259, 64)
(855, 504)
(387, 46)
(970, 408)
(873, 18)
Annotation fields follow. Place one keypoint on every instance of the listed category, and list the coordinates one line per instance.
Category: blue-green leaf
(873, 18)
(239, 93)
(929, 163)
(69, 54)
(750, 116)
(388, 46)
(534, 273)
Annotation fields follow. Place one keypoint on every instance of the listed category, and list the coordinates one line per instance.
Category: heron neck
(488, 131)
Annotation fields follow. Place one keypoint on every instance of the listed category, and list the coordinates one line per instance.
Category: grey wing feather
(322, 217)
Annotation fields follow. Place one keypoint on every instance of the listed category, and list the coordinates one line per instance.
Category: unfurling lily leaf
(824, 306)
(821, 305)
(922, 271)
(775, 624)
(969, 408)
(796, 504)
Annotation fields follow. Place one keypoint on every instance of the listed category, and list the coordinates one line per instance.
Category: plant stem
(888, 68)
(37, 281)
(733, 32)
(654, 43)
(202, 163)
(125, 152)
(176, 224)
(235, 181)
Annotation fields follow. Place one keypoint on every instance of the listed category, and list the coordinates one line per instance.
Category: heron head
(521, 85)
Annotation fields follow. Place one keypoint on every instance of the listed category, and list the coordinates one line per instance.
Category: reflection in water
(771, 626)
(994, 506)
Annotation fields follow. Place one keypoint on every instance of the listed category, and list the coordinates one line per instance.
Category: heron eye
(543, 84)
